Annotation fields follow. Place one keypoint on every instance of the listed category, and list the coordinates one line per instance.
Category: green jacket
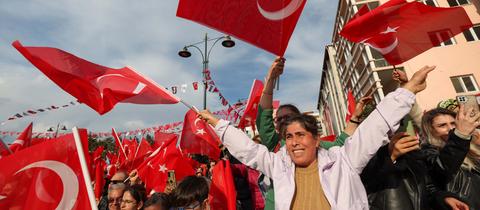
(270, 139)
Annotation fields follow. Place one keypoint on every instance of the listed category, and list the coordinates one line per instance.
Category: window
(472, 34)
(454, 3)
(465, 83)
(371, 5)
(432, 3)
(437, 37)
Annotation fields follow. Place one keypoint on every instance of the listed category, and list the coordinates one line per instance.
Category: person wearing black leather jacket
(466, 183)
(416, 178)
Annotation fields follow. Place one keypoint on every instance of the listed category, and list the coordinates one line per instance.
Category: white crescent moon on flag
(18, 141)
(385, 50)
(195, 122)
(68, 177)
(283, 13)
(40, 191)
(137, 89)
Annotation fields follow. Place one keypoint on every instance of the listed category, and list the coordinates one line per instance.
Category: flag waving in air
(198, 137)
(97, 86)
(267, 24)
(400, 31)
(250, 114)
(350, 105)
(23, 140)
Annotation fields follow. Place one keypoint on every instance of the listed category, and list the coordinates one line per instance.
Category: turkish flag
(99, 166)
(154, 171)
(23, 140)
(250, 114)
(222, 194)
(4, 150)
(122, 155)
(350, 105)
(142, 152)
(50, 179)
(161, 138)
(198, 137)
(263, 23)
(97, 86)
(400, 30)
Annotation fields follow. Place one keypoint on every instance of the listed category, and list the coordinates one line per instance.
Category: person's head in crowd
(199, 172)
(115, 194)
(301, 138)
(133, 197)
(436, 124)
(157, 201)
(450, 104)
(257, 139)
(191, 193)
(118, 177)
(282, 113)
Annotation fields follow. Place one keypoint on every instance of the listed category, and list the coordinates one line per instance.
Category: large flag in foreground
(265, 24)
(250, 114)
(97, 86)
(198, 137)
(23, 140)
(50, 179)
(400, 30)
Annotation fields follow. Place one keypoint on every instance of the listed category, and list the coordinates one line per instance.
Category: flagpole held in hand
(83, 164)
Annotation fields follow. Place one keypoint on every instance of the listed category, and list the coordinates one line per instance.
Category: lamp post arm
(199, 50)
(211, 47)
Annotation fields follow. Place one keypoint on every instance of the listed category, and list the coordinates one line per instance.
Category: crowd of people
(376, 162)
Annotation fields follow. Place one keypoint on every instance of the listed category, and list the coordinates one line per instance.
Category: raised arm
(264, 122)
(254, 155)
(372, 133)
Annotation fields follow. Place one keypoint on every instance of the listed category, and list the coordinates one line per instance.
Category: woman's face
(301, 145)
(129, 202)
(441, 125)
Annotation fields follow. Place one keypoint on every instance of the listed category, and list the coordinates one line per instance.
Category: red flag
(330, 138)
(142, 152)
(154, 171)
(400, 30)
(265, 24)
(23, 140)
(350, 105)
(50, 179)
(122, 155)
(161, 138)
(251, 109)
(97, 86)
(99, 164)
(4, 150)
(222, 192)
(198, 137)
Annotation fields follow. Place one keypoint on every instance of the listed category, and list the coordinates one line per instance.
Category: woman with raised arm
(306, 176)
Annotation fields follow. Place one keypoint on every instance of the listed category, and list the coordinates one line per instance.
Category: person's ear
(206, 204)
(317, 141)
(140, 205)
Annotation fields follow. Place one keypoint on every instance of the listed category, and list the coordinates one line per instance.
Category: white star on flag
(200, 131)
(162, 168)
(390, 30)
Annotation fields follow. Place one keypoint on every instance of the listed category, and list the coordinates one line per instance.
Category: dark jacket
(466, 185)
(417, 181)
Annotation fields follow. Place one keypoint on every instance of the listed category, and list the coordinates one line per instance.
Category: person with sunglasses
(115, 194)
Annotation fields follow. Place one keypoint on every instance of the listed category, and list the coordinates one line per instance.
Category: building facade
(357, 67)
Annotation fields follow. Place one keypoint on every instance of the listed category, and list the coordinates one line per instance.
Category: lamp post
(64, 128)
(227, 42)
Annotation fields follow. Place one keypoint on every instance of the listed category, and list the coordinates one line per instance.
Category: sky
(147, 36)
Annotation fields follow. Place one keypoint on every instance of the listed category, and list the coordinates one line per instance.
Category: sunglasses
(116, 181)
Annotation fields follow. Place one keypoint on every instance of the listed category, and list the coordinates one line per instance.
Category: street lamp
(184, 53)
(64, 128)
